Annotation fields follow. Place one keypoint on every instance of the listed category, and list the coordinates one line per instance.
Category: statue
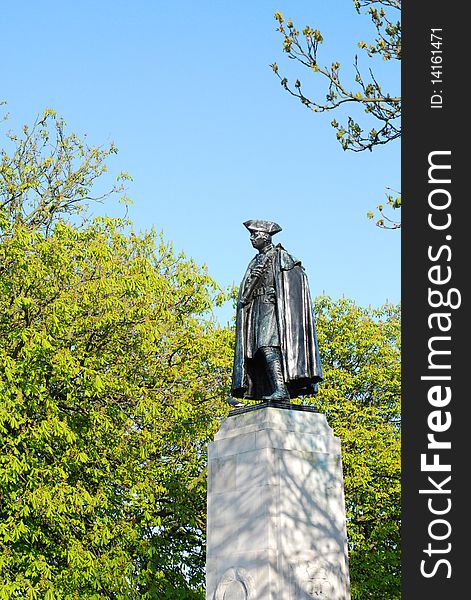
(276, 355)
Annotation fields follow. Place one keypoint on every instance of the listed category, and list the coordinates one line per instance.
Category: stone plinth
(276, 513)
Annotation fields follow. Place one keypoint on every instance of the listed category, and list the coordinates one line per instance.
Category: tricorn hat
(266, 226)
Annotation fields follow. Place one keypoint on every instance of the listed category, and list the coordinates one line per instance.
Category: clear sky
(202, 124)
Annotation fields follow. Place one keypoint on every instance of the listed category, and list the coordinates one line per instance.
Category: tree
(50, 175)
(368, 94)
(111, 374)
(360, 351)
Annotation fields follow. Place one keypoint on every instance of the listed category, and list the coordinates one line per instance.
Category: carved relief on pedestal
(235, 584)
(311, 580)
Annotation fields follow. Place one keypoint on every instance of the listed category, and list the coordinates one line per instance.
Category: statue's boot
(275, 372)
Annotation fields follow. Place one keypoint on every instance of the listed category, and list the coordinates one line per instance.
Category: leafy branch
(385, 222)
(50, 174)
(302, 46)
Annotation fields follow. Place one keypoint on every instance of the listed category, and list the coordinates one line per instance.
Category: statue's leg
(272, 357)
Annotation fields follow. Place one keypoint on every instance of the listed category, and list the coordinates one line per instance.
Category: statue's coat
(298, 341)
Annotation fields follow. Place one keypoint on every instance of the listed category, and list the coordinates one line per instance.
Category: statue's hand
(257, 271)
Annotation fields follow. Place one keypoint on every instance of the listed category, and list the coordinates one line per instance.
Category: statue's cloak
(298, 340)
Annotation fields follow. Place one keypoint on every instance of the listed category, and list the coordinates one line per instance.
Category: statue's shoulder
(287, 260)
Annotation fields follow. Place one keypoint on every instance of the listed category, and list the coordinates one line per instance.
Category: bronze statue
(276, 354)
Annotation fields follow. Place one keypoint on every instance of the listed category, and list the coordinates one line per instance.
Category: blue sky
(185, 91)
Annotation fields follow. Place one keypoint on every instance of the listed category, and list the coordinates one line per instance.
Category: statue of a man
(276, 354)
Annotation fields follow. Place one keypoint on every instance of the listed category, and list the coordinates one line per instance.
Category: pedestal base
(276, 514)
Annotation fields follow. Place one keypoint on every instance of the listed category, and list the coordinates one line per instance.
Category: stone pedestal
(276, 513)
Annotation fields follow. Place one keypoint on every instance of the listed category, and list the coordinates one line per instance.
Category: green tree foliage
(111, 372)
(360, 396)
(367, 93)
(49, 174)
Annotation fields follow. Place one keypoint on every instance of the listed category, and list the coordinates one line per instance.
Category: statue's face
(259, 239)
